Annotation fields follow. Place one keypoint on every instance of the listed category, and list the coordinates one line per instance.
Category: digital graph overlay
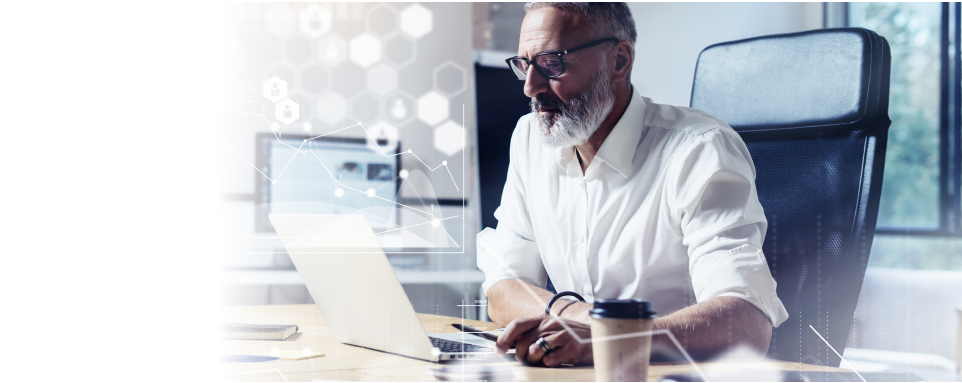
(435, 222)
(836, 352)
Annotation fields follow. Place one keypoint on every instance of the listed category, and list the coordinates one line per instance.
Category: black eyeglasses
(549, 64)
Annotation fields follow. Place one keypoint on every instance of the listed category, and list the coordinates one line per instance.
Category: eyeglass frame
(560, 57)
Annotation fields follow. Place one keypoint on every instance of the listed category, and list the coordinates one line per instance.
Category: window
(919, 220)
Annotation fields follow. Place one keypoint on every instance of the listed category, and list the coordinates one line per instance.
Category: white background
(107, 191)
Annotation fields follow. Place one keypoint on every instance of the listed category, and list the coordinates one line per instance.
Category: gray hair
(603, 19)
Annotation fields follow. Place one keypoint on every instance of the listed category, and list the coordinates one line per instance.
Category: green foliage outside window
(910, 190)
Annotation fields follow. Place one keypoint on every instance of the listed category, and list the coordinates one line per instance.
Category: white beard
(577, 120)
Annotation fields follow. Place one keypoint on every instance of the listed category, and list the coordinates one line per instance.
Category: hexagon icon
(449, 138)
(416, 20)
(399, 108)
(399, 50)
(280, 20)
(382, 20)
(286, 111)
(331, 108)
(332, 50)
(382, 79)
(386, 136)
(365, 50)
(250, 89)
(315, 21)
(315, 79)
(365, 107)
(433, 108)
(450, 79)
(275, 89)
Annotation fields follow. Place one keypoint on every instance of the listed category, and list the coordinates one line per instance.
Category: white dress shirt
(667, 211)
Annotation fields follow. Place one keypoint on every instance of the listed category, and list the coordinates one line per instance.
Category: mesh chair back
(812, 107)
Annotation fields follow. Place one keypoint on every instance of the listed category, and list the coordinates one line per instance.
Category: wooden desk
(343, 362)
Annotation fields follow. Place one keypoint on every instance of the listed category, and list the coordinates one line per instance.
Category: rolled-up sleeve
(511, 251)
(714, 202)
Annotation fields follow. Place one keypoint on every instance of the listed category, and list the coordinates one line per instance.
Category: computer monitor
(325, 175)
(501, 102)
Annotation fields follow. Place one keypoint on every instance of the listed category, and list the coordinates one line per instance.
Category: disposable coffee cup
(621, 339)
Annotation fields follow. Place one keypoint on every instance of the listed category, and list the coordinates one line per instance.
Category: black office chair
(812, 108)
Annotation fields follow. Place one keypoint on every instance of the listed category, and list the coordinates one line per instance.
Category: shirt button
(581, 239)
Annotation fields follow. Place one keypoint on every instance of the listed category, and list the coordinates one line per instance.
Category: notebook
(245, 331)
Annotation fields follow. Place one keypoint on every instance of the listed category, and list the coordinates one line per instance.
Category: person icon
(249, 92)
(398, 110)
(287, 111)
(275, 91)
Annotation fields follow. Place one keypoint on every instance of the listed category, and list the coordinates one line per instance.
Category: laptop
(357, 292)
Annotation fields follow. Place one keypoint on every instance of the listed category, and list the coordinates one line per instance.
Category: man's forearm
(712, 327)
(511, 299)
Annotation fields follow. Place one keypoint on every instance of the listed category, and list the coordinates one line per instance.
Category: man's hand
(562, 335)
(512, 299)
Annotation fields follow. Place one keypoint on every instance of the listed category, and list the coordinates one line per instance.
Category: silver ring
(544, 346)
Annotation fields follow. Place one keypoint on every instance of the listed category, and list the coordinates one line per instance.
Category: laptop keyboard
(452, 346)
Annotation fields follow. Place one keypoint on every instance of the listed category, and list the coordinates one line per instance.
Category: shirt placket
(581, 223)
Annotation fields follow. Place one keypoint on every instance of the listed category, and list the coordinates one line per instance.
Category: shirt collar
(619, 147)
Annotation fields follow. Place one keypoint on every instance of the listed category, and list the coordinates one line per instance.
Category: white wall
(670, 36)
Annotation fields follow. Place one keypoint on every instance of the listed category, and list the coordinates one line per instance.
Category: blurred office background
(432, 71)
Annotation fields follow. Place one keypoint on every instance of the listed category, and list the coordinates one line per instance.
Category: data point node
(371, 192)
(273, 182)
(338, 192)
(445, 163)
(435, 222)
(403, 174)
(410, 151)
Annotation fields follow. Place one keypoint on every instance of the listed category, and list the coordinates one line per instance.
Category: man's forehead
(547, 27)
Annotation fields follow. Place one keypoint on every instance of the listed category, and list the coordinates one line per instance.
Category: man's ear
(623, 61)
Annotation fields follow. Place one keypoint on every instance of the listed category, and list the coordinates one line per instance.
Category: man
(613, 196)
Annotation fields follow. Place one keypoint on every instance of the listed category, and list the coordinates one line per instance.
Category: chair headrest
(826, 78)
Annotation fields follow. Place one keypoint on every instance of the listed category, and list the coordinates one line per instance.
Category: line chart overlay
(309, 141)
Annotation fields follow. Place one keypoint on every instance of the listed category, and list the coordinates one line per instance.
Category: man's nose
(534, 83)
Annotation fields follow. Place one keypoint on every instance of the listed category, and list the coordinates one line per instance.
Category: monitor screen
(501, 102)
(325, 175)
